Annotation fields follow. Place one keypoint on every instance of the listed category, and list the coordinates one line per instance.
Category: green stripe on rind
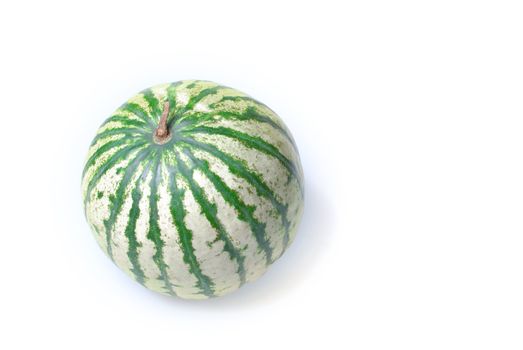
(171, 93)
(154, 233)
(117, 200)
(204, 283)
(201, 95)
(138, 111)
(130, 132)
(251, 114)
(104, 148)
(241, 99)
(109, 163)
(127, 122)
(186, 111)
(173, 106)
(245, 212)
(130, 229)
(238, 168)
(249, 141)
(201, 119)
(154, 104)
(210, 212)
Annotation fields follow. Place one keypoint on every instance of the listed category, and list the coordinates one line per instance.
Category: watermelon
(193, 188)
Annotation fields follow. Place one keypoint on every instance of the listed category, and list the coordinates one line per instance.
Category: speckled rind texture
(208, 210)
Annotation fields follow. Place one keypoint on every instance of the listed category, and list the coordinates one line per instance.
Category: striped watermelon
(193, 188)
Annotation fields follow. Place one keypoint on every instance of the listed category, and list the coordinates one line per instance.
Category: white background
(409, 119)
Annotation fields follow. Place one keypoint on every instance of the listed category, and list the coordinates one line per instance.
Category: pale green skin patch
(208, 209)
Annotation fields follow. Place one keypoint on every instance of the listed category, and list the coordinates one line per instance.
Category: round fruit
(193, 188)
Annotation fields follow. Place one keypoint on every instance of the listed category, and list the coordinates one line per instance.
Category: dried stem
(162, 132)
